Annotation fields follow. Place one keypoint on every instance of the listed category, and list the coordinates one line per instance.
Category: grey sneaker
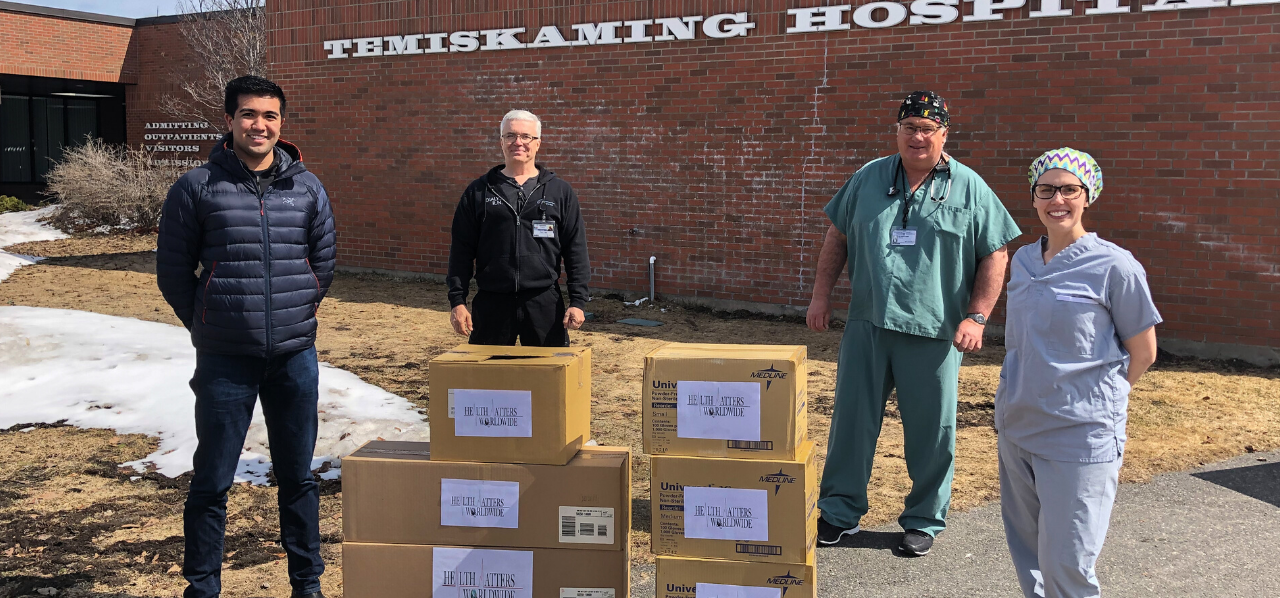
(916, 543)
(830, 534)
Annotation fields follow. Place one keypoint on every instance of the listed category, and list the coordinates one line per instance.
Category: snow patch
(22, 227)
(98, 371)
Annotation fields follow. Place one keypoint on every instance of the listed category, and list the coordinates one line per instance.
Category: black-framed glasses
(1067, 191)
(523, 137)
(911, 130)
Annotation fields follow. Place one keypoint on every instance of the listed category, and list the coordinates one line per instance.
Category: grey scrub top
(1063, 394)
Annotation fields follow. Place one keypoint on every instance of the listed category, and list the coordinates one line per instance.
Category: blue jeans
(226, 388)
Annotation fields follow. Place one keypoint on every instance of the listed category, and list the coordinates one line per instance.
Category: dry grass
(387, 330)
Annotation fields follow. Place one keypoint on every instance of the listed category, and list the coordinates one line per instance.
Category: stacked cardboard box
(734, 486)
(506, 501)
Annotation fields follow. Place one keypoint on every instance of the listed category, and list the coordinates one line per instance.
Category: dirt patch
(386, 330)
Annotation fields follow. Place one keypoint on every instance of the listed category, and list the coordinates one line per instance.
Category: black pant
(535, 316)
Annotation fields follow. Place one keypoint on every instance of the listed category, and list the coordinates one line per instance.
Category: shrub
(108, 188)
(8, 203)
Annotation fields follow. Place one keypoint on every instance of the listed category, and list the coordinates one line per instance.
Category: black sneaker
(915, 543)
(830, 534)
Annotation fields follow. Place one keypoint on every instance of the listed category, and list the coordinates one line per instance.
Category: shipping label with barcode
(751, 445)
(586, 525)
(588, 593)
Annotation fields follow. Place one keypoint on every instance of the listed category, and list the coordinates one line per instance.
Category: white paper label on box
(459, 572)
(479, 503)
(586, 525)
(718, 410)
(726, 513)
(718, 590)
(587, 593)
(493, 413)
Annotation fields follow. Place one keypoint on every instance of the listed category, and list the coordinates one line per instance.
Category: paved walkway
(1214, 531)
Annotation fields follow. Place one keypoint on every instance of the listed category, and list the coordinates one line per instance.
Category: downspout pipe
(652, 260)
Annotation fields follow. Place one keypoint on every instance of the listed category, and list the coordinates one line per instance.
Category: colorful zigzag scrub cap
(925, 104)
(1073, 161)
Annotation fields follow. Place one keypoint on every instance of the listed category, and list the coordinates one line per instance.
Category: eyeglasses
(523, 137)
(911, 130)
(1048, 191)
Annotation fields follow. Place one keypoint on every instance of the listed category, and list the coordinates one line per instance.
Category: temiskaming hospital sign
(874, 15)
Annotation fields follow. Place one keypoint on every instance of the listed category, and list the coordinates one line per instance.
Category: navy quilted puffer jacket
(266, 258)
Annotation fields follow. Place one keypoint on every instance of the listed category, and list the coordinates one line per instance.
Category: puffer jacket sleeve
(321, 238)
(178, 250)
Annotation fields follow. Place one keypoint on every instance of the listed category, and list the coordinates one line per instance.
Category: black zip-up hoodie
(493, 238)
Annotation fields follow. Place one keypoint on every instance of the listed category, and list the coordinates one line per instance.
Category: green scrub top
(921, 289)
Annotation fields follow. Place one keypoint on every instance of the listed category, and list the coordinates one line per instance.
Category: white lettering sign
(726, 513)
(718, 410)
(479, 503)
(493, 413)
(878, 14)
(481, 572)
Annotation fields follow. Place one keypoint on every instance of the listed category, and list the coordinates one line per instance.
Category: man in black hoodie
(513, 228)
(258, 225)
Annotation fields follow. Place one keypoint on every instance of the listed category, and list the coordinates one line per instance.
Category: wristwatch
(979, 318)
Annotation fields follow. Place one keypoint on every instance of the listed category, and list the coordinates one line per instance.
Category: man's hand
(461, 320)
(819, 314)
(573, 318)
(969, 336)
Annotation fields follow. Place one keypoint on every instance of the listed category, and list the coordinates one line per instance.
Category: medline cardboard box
(735, 509)
(726, 401)
(410, 571)
(708, 578)
(510, 404)
(392, 493)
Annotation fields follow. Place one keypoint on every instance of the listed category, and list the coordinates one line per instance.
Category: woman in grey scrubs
(1080, 330)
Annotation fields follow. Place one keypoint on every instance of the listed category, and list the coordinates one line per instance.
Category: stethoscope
(900, 175)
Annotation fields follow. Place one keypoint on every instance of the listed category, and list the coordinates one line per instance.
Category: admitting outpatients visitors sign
(873, 15)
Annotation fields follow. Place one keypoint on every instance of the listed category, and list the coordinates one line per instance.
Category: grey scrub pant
(1055, 519)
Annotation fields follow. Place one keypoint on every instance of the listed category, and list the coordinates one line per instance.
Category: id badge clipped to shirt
(901, 237)
(544, 229)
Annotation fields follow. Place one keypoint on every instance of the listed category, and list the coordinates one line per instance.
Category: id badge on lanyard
(544, 229)
(899, 237)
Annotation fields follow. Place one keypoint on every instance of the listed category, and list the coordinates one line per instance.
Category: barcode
(586, 529)
(759, 549)
(568, 525)
(602, 530)
(751, 445)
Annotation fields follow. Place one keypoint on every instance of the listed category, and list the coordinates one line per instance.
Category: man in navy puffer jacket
(260, 229)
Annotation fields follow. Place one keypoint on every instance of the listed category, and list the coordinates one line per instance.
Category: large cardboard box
(510, 404)
(408, 571)
(765, 511)
(726, 401)
(393, 493)
(683, 577)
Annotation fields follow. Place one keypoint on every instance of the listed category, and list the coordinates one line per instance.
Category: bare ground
(69, 519)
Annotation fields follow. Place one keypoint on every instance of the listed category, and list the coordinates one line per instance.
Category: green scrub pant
(925, 371)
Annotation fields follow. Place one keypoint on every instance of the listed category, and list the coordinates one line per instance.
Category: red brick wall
(161, 52)
(42, 46)
(718, 155)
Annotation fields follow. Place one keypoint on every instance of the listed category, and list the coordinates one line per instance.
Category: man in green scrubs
(924, 238)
